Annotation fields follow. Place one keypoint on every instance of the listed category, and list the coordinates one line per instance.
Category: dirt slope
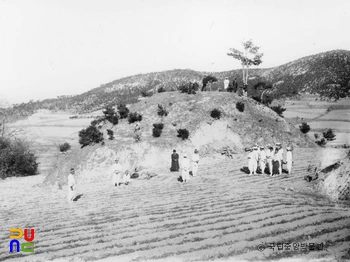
(257, 124)
(221, 214)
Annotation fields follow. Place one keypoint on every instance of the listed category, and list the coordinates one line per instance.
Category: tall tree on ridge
(248, 57)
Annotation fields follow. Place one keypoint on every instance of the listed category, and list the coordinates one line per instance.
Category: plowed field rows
(221, 213)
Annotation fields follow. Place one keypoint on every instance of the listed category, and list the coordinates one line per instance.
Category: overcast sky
(61, 47)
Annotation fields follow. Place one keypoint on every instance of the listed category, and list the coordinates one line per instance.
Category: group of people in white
(272, 158)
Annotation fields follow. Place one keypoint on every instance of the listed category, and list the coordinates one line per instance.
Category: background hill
(316, 73)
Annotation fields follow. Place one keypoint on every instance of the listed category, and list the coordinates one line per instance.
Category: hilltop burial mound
(234, 129)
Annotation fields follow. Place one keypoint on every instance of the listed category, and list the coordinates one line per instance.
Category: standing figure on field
(71, 185)
(262, 159)
(280, 151)
(117, 170)
(174, 161)
(252, 160)
(226, 83)
(185, 168)
(256, 158)
(276, 163)
(289, 159)
(269, 157)
(195, 162)
(127, 177)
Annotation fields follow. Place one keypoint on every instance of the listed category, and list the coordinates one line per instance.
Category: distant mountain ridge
(312, 73)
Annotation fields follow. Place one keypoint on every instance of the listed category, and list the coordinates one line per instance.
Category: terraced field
(220, 214)
(321, 115)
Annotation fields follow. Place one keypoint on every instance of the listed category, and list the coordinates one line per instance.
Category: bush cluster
(162, 111)
(64, 147)
(304, 128)
(215, 113)
(321, 142)
(134, 117)
(16, 159)
(183, 133)
(90, 136)
(329, 135)
(189, 88)
(110, 133)
(157, 129)
(161, 89)
(278, 109)
(145, 93)
(123, 111)
(111, 115)
(240, 106)
(156, 132)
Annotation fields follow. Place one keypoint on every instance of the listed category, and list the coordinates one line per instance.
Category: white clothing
(226, 83)
(71, 184)
(289, 158)
(116, 169)
(195, 161)
(185, 165)
(269, 157)
(252, 162)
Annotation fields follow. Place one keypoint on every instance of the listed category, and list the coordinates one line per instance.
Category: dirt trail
(222, 213)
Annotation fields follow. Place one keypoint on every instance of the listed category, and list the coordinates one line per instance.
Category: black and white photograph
(177, 131)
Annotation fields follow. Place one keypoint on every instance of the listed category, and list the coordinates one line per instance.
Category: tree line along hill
(327, 74)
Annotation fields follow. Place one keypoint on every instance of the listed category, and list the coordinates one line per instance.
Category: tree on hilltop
(250, 56)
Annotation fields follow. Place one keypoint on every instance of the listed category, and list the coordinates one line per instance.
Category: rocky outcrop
(336, 185)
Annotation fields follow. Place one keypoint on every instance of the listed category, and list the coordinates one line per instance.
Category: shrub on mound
(158, 126)
(183, 133)
(161, 89)
(304, 128)
(321, 142)
(215, 113)
(110, 133)
(145, 93)
(329, 135)
(156, 132)
(157, 129)
(64, 147)
(90, 136)
(162, 111)
(111, 115)
(123, 111)
(240, 106)
(134, 117)
(278, 109)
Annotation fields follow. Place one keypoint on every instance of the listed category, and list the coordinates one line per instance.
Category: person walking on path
(185, 168)
(174, 161)
(71, 185)
(195, 160)
(117, 170)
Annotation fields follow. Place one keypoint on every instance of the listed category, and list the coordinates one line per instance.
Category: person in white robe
(71, 185)
(195, 162)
